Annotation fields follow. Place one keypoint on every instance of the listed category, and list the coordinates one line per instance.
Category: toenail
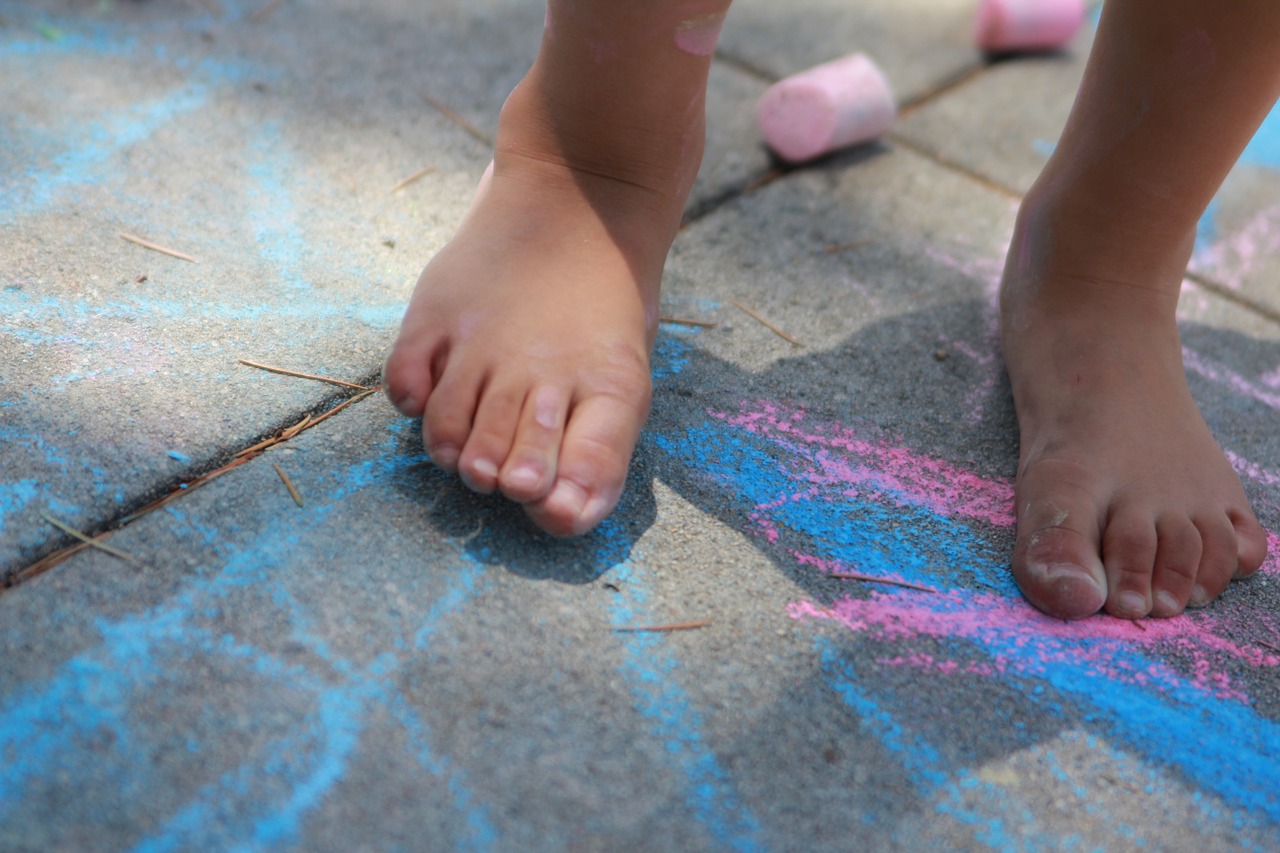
(444, 455)
(570, 497)
(1166, 603)
(1199, 598)
(1132, 602)
(1069, 571)
(524, 477)
(485, 468)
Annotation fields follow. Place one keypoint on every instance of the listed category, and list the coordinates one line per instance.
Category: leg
(526, 344)
(1124, 500)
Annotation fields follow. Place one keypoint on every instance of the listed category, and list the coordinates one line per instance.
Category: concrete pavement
(397, 664)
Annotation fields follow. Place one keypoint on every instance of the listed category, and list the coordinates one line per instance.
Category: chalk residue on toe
(699, 35)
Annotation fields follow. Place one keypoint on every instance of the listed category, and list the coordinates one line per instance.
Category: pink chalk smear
(921, 480)
(699, 35)
(1025, 641)
(826, 108)
(1027, 24)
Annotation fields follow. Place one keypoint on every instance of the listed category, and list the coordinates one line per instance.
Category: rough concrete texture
(399, 664)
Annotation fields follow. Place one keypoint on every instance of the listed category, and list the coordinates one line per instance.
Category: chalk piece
(826, 108)
(179, 456)
(1013, 25)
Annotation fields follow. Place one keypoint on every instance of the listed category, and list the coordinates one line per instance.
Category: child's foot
(525, 347)
(1124, 499)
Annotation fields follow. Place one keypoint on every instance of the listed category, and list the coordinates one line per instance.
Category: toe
(1055, 560)
(592, 468)
(446, 421)
(1218, 560)
(530, 468)
(1129, 554)
(1251, 541)
(1177, 563)
(492, 430)
(407, 372)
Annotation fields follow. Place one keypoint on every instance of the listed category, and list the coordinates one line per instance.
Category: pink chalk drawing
(1211, 370)
(1203, 651)
(1024, 641)
(836, 456)
(986, 354)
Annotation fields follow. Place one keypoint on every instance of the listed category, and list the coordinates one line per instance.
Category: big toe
(592, 467)
(406, 375)
(1056, 560)
(1251, 541)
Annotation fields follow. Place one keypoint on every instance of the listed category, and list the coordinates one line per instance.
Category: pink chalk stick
(1010, 25)
(826, 108)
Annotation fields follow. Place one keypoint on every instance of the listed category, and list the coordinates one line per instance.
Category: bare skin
(1125, 502)
(525, 347)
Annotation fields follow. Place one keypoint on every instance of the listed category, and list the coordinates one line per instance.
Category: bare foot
(525, 347)
(1124, 499)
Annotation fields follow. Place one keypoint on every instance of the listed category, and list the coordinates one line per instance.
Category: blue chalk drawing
(1220, 745)
(46, 725)
(651, 671)
(82, 162)
(15, 495)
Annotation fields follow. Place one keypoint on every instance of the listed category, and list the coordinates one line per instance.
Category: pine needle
(841, 247)
(762, 321)
(88, 540)
(675, 626)
(156, 247)
(421, 173)
(285, 372)
(856, 576)
(682, 321)
(265, 12)
(288, 484)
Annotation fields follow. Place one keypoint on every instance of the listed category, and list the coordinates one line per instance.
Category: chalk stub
(1023, 25)
(826, 108)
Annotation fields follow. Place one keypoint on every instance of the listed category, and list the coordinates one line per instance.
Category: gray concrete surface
(397, 664)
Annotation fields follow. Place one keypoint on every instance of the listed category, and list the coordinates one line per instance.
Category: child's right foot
(1124, 500)
(525, 347)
